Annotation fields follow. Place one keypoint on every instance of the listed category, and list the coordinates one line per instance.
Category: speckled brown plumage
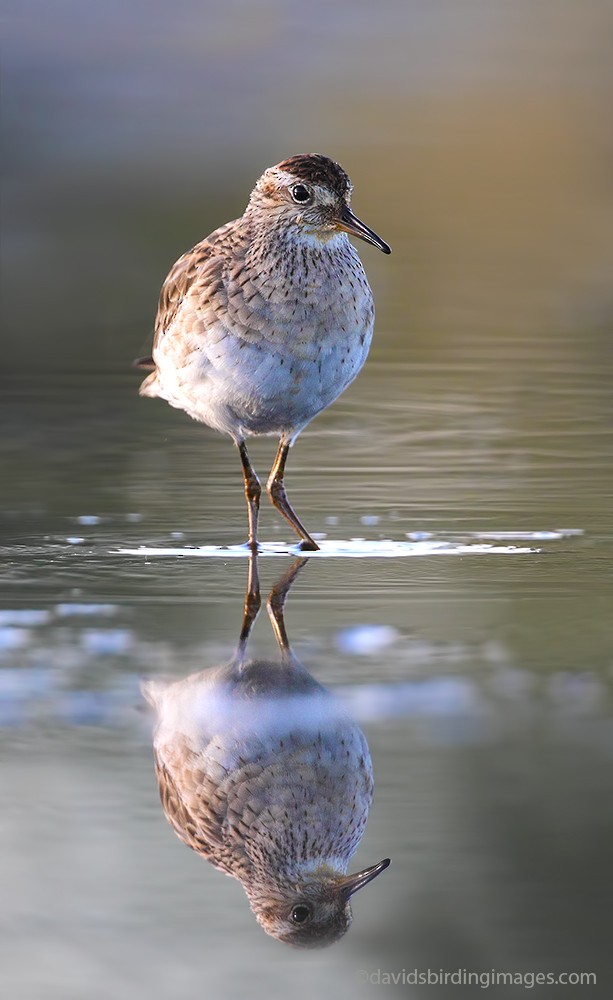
(267, 800)
(264, 323)
(262, 772)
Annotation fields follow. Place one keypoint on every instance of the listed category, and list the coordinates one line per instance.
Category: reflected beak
(351, 883)
(349, 223)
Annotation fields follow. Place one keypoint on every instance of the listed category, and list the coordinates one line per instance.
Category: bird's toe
(308, 545)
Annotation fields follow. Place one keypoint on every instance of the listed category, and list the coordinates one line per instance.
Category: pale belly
(265, 355)
(248, 388)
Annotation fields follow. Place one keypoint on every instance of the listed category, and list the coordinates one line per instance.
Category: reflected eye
(301, 913)
(301, 194)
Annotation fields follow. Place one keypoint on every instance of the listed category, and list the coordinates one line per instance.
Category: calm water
(482, 681)
(462, 606)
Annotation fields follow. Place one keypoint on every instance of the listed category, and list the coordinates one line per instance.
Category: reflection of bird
(264, 323)
(261, 771)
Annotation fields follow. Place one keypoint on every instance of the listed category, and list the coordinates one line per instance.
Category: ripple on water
(479, 543)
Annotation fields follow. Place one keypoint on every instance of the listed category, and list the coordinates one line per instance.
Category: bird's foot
(308, 545)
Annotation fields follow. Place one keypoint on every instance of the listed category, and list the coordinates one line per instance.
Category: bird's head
(312, 911)
(312, 192)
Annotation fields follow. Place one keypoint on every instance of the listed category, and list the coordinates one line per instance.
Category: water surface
(478, 440)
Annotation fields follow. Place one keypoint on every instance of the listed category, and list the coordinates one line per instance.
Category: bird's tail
(154, 688)
(147, 364)
(150, 387)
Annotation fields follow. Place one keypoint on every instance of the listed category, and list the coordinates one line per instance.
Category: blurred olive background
(478, 136)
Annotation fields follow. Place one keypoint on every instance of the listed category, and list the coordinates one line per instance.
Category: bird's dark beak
(349, 223)
(351, 883)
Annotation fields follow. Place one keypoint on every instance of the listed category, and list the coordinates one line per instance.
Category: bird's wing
(202, 266)
(194, 810)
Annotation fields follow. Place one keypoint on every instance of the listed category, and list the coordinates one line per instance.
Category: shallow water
(461, 605)
(480, 671)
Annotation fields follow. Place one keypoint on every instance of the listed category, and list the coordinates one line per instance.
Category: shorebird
(263, 773)
(264, 323)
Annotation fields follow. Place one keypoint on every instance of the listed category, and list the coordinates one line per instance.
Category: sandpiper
(266, 322)
(262, 772)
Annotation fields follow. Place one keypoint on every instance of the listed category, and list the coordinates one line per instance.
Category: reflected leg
(253, 492)
(275, 604)
(252, 603)
(278, 497)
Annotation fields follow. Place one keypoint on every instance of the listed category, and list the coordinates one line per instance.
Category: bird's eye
(301, 194)
(301, 913)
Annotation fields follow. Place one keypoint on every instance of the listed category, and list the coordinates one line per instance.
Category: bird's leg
(275, 604)
(252, 604)
(278, 497)
(253, 492)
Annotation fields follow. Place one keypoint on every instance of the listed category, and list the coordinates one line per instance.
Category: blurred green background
(478, 135)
